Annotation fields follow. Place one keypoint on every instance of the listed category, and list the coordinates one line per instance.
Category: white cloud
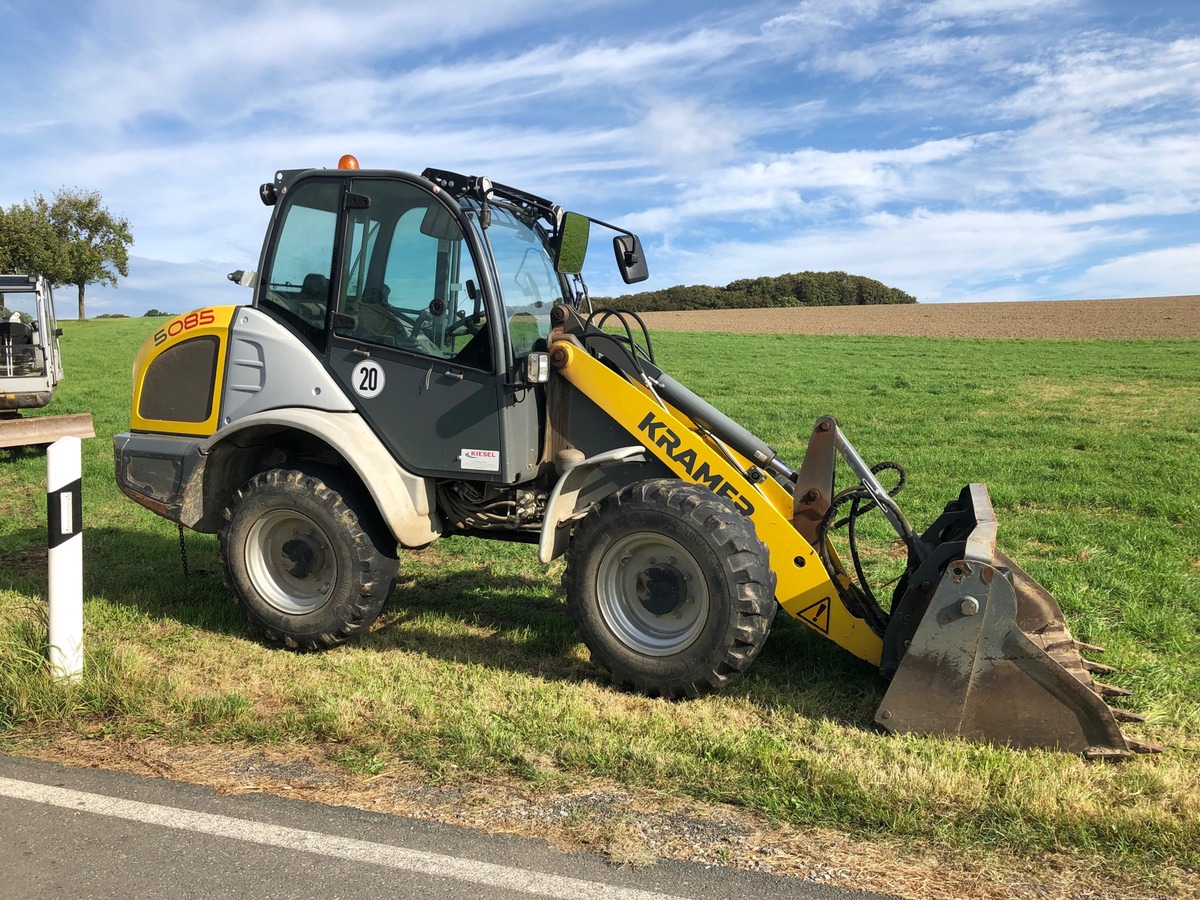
(988, 10)
(179, 58)
(806, 183)
(1110, 73)
(682, 134)
(821, 16)
(997, 148)
(935, 256)
(1165, 272)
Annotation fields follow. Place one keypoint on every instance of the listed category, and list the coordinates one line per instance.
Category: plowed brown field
(1144, 317)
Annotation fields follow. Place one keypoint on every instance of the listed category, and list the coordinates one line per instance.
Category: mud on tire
(670, 588)
(307, 557)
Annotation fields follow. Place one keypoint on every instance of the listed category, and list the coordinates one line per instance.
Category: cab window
(301, 266)
(527, 279)
(409, 281)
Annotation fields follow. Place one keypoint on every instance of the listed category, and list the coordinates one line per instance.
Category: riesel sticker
(480, 460)
(367, 379)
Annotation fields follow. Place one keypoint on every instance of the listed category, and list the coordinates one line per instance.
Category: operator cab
(30, 363)
(426, 297)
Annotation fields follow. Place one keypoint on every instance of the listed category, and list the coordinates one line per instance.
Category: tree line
(70, 239)
(795, 289)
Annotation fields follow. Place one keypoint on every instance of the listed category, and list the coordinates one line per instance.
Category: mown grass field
(473, 675)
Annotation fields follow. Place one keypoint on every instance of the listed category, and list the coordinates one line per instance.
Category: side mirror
(630, 258)
(243, 278)
(572, 244)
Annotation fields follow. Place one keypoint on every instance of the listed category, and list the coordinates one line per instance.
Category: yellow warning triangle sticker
(816, 615)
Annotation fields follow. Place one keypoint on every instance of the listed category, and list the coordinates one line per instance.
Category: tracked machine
(30, 364)
(420, 359)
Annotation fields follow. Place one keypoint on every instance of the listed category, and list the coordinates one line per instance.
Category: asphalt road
(90, 833)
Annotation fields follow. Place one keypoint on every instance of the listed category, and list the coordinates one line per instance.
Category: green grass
(1091, 451)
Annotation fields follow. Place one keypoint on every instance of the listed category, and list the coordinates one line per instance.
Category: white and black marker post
(64, 519)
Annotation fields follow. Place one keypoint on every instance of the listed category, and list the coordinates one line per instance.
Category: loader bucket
(980, 650)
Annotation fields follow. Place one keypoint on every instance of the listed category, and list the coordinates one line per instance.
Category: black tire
(307, 557)
(670, 588)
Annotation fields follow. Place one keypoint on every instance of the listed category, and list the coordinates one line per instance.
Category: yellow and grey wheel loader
(420, 358)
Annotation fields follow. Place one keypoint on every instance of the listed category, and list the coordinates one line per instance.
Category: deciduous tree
(97, 241)
(30, 245)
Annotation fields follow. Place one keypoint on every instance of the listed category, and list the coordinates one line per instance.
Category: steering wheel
(464, 324)
(422, 324)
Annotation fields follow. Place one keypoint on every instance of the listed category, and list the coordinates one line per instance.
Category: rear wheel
(670, 588)
(307, 557)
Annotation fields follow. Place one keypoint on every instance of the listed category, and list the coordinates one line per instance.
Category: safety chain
(188, 573)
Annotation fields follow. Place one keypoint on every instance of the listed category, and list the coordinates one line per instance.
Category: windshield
(21, 352)
(19, 306)
(525, 273)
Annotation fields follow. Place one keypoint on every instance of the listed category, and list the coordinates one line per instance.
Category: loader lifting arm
(973, 646)
(803, 587)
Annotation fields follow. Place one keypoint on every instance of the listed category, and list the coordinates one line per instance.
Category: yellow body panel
(212, 321)
(803, 587)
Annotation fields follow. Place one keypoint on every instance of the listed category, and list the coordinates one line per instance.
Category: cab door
(412, 340)
(50, 333)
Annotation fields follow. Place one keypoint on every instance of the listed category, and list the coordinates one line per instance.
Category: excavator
(420, 358)
(30, 363)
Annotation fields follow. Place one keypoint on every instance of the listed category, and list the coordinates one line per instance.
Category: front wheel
(307, 557)
(670, 588)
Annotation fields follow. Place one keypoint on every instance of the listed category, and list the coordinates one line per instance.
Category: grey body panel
(24, 393)
(190, 481)
(405, 501)
(269, 367)
(564, 507)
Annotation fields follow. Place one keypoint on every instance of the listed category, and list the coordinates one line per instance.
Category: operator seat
(16, 347)
(314, 289)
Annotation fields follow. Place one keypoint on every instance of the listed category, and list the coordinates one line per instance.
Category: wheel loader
(420, 359)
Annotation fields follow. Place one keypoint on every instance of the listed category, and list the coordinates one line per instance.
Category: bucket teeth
(984, 651)
(1133, 745)
(1124, 715)
(1142, 746)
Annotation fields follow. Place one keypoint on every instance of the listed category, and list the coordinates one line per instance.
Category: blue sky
(962, 150)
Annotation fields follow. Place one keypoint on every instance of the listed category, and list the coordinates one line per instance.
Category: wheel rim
(291, 561)
(652, 594)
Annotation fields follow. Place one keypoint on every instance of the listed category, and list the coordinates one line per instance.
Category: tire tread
(374, 569)
(752, 605)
